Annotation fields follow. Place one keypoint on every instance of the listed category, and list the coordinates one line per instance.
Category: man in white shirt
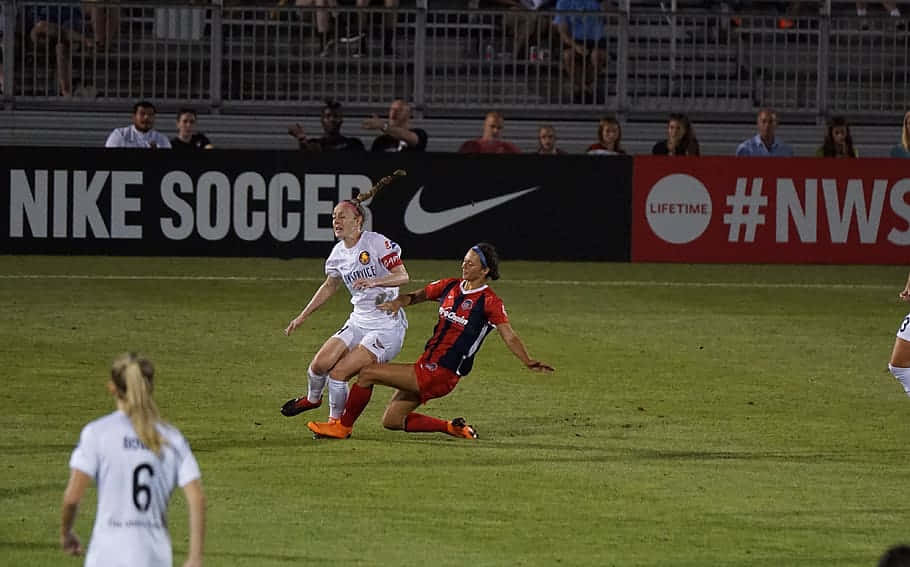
(141, 134)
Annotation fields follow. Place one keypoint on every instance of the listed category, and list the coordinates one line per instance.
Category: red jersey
(465, 319)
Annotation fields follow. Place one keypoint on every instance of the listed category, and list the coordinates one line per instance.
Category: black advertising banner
(258, 203)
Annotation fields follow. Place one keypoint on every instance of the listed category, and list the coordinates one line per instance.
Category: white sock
(315, 385)
(896, 13)
(860, 11)
(338, 395)
(902, 375)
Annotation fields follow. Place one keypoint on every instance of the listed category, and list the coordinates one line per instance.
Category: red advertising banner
(771, 210)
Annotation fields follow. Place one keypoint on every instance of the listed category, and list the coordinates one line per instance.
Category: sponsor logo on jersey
(452, 316)
(362, 274)
(364, 257)
(390, 261)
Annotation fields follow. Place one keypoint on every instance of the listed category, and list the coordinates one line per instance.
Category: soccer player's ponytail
(133, 378)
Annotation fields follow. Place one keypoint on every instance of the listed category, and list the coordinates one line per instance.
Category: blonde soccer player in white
(370, 266)
(899, 365)
(136, 460)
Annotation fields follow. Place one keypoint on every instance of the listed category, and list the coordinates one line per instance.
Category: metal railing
(268, 58)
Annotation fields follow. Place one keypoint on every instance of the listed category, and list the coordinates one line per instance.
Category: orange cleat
(332, 429)
(334, 420)
(458, 428)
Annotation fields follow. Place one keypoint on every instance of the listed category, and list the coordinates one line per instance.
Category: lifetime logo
(678, 209)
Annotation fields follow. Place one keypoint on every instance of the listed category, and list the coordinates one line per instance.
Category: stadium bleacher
(456, 63)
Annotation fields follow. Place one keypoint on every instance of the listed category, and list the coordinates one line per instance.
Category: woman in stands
(681, 140)
(468, 311)
(609, 138)
(838, 141)
(370, 266)
(902, 150)
(899, 364)
(546, 141)
(136, 460)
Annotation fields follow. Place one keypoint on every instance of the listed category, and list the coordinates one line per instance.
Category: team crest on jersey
(364, 257)
(467, 304)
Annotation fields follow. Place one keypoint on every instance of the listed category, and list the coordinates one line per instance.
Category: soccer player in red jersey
(468, 311)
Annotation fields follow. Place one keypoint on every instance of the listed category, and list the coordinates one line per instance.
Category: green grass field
(699, 415)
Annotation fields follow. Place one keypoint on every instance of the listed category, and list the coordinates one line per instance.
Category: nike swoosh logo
(421, 221)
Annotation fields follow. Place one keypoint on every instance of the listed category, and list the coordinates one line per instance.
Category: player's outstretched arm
(403, 301)
(75, 489)
(325, 291)
(195, 501)
(905, 295)
(396, 278)
(515, 344)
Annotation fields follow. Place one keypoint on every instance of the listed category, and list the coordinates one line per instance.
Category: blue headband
(483, 259)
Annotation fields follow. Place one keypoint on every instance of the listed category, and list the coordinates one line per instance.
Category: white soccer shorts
(385, 344)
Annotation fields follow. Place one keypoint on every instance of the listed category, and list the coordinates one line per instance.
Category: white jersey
(129, 137)
(134, 486)
(373, 256)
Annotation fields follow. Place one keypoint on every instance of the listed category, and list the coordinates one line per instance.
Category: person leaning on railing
(187, 137)
(546, 141)
(838, 140)
(902, 150)
(681, 140)
(609, 138)
(331, 118)
(765, 143)
(397, 134)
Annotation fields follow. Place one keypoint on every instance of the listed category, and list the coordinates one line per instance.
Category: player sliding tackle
(468, 311)
(370, 266)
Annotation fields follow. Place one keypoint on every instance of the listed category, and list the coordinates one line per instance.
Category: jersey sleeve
(435, 289)
(496, 310)
(389, 253)
(85, 455)
(188, 469)
(331, 266)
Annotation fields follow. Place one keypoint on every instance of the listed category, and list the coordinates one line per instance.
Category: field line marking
(595, 283)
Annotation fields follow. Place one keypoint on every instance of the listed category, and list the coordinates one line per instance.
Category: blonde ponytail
(133, 376)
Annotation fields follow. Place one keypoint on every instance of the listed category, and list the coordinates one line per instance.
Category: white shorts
(385, 344)
(903, 332)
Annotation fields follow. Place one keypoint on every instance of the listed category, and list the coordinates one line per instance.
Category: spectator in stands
(105, 22)
(889, 5)
(490, 141)
(2, 27)
(546, 141)
(187, 137)
(326, 37)
(609, 138)
(332, 118)
(397, 134)
(584, 37)
(896, 556)
(838, 141)
(902, 150)
(141, 133)
(62, 26)
(681, 140)
(356, 31)
(765, 143)
(525, 27)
